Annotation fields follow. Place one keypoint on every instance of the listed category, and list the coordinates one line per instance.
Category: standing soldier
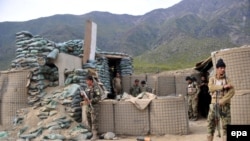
(221, 91)
(117, 85)
(93, 96)
(135, 89)
(192, 94)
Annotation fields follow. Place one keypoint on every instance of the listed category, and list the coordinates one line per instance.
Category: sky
(24, 10)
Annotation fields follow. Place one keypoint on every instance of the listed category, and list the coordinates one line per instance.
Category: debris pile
(54, 117)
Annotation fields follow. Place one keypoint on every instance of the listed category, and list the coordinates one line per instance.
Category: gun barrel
(85, 95)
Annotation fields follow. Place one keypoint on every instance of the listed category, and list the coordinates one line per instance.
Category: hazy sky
(23, 10)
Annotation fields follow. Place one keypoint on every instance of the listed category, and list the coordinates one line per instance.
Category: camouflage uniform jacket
(146, 89)
(93, 94)
(135, 90)
(193, 89)
(216, 84)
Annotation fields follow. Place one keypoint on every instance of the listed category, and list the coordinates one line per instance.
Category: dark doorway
(204, 98)
(114, 67)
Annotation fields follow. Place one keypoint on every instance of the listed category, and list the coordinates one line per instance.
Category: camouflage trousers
(225, 118)
(92, 114)
(192, 106)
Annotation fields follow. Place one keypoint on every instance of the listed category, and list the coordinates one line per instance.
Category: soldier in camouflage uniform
(135, 89)
(145, 87)
(220, 87)
(94, 96)
(192, 94)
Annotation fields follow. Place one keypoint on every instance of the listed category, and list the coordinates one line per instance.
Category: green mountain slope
(162, 39)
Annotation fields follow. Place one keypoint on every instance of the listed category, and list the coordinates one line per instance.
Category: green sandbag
(3, 134)
(54, 136)
(53, 54)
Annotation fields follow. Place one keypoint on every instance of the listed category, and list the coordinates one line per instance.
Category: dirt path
(197, 133)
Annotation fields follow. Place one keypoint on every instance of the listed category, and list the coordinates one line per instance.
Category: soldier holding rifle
(91, 96)
(221, 91)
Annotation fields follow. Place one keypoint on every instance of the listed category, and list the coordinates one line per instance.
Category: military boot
(210, 138)
(94, 136)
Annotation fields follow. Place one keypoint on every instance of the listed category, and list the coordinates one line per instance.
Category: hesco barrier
(3, 89)
(237, 65)
(181, 84)
(168, 116)
(106, 116)
(13, 95)
(152, 82)
(129, 120)
(163, 116)
(166, 85)
(240, 105)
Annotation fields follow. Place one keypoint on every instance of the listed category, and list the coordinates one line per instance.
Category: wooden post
(89, 41)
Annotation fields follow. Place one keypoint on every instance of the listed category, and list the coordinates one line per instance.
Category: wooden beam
(89, 41)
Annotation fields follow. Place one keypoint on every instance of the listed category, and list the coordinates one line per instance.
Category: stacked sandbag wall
(102, 68)
(32, 53)
(77, 76)
(29, 49)
(126, 66)
(238, 70)
(72, 47)
(13, 95)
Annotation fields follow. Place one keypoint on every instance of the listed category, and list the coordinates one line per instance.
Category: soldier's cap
(188, 78)
(220, 63)
(143, 82)
(89, 77)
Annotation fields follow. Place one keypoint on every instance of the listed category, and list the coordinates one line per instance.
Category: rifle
(85, 95)
(217, 114)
